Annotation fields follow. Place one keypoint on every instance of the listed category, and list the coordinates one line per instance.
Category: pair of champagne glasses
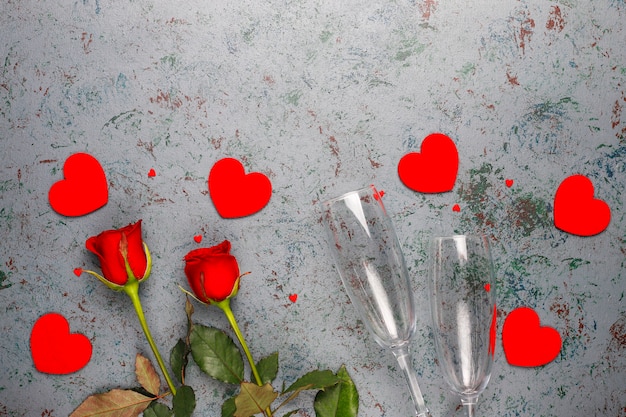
(371, 265)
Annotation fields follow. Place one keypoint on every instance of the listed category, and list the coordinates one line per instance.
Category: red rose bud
(213, 273)
(123, 255)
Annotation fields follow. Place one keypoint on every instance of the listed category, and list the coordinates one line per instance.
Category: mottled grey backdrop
(321, 96)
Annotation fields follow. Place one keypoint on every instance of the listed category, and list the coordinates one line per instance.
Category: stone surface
(322, 97)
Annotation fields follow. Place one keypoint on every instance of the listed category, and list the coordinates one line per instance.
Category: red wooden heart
(235, 193)
(434, 168)
(54, 349)
(525, 342)
(84, 188)
(576, 211)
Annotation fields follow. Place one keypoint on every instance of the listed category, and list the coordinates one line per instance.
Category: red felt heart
(509, 183)
(84, 189)
(576, 211)
(197, 238)
(293, 297)
(235, 193)
(54, 349)
(525, 342)
(434, 168)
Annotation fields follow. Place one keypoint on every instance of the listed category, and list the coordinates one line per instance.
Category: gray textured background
(322, 96)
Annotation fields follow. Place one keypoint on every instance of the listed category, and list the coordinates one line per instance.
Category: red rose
(115, 247)
(213, 273)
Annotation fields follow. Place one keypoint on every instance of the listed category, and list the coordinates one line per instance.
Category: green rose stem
(225, 307)
(132, 290)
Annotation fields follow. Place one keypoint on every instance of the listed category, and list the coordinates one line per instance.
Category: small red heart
(84, 189)
(78, 271)
(434, 168)
(235, 193)
(293, 297)
(525, 342)
(509, 183)
(54, 349)
(197, 238)
(152, 173)
(456, 208)
(576, 211)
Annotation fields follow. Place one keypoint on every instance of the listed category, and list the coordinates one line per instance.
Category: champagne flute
(372, 268)
(462, 294)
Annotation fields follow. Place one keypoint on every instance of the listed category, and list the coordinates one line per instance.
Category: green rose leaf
(268, 368)
(178, 360)
(184, 401)
(253, 399)
(216, 354)
(179, 355)
(229, 407)
(341, 400)
(314, 380)
(158, 410)
(114, 403)
(147, 375)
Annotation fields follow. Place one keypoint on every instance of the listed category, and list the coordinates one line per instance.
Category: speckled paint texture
(321, 96)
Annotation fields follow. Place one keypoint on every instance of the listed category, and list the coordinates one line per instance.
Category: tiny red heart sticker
(525, 342)
(576, 211)
(235, 193)
(54, 349)
(197, 238)
(84, 188)
(434, 168)
(293, 297)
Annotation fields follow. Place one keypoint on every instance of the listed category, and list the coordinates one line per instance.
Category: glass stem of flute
(404, 360)
(469, 407)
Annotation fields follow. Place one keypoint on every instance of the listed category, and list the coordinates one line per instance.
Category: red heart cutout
(235, 193)
(525, 342)
(84, 189)
(509, 183)
(434, 168)
(197, 238)
(293, 297)
(576, 211)
(493, 329)
(54, 349)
